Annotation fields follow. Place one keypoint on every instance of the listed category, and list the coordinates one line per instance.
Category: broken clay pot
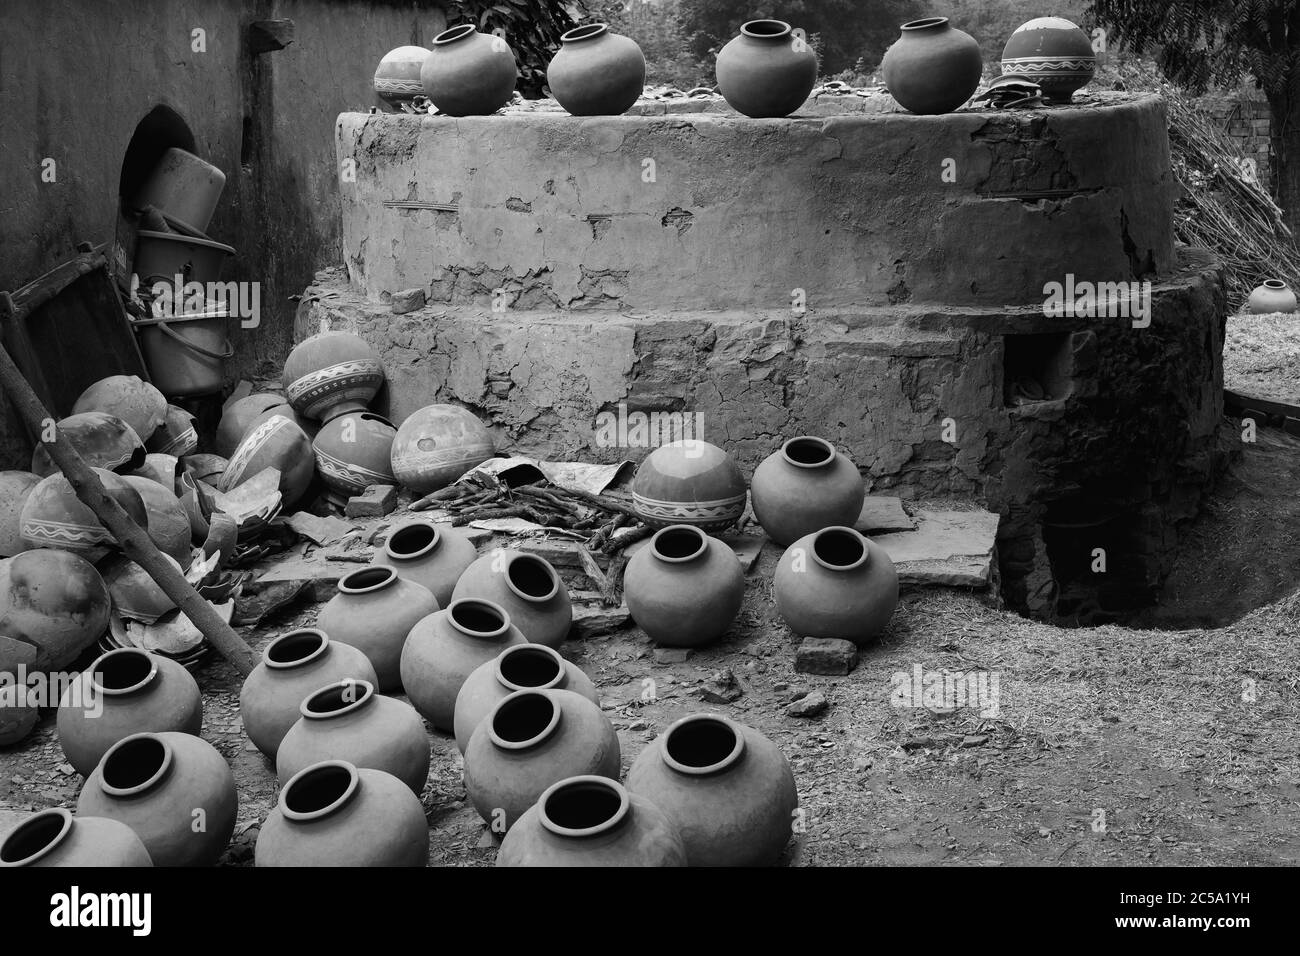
(129, 398)
(54, 602)
(102, 440)
(275, 442)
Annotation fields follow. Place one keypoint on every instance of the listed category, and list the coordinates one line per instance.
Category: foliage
(657, 28)
(531, 27)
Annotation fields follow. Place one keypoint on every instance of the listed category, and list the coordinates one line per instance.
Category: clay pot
(443, 649)
(102, 440)
(932, 67)
(205, 468)
(160, 469)
(430, 555)
(332, 373)
(804, 487)
(278, 443)
(1053, 53)
(530, 740)
(469, 73)
(728, 790)
(684, 589)
(293, 666)
(184, 187)
(161, 785)
(135, 594)
(176, 436)
(54, 602)
(438, 444)
(336, 814)
(1273, 295)
(15, 488)
(596, 73)
(243, 414)
(55, 837)
(766, 71)
(397, 78)
(689, 482)
(169, 525)
(354, 452)
(374, 611)
(518, 667)
(129, 398)
(347, 720)
(124, 692)
(54, 516)
(836, 583)
(527, 588)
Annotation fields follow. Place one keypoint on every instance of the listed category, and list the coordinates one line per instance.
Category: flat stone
(559, 553)
(672, 655)
(593, 620)
(322, 575)
(408, 300)
(747, 547)
(259, 600)
(883, 513)
(721, 688)
(947, 549)
(826, 655)
(375, 502)
(813, 705)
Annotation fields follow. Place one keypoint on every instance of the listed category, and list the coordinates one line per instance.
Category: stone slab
(947, 549)
(884, 513)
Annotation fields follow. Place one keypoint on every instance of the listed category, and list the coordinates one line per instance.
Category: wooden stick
(602, 502)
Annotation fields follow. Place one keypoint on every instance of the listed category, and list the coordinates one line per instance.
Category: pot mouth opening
(367, 580)
(530, 667)
(588, 32)
(807, 451)
(123, 671)
(766, 29)
(1274, 284)
(319, 790)
(134, 764)
(452, 34)
(583, 806)
(532, 578)
(523, 720)
(679, 543)
(925, 23)
(414, 540)
(296, 648)
(478, 617)
(35, 837)
(839, 549)
(702, 744)
(337, 699)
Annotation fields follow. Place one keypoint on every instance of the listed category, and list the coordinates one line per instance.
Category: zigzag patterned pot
(354, 452)
(689, 482)
(332, 373)
(176, 436)
(102, 440)
(1052, 52)
(397, 78)
(54, 516)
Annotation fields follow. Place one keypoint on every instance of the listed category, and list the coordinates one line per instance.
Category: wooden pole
(133, 539)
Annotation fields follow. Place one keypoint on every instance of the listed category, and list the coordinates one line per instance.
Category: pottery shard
(826, 655)
(408, 300)
(813, 705)
(881, 513)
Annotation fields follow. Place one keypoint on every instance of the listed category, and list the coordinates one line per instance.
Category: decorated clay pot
(766, 71)
(397, 78)
(54, 602)
(438, 444)
(689, 482)
(1053, 53)
(275, 442)
(527, 588)
(728, 790)
(102, 440)
(684, 588)
(374, 611)
(804, 487)
(169, 525)
(347, 720)
(836, 583)
(294, 666)
(530, 740)
(161, 785)
(469, 73)
(332, 373)
(1273, 295)
(592, 821)
(176, 436)
(54, 516)
(55, 837)
(443, 649)
(353, 452)
(596, 73)
(136, 595)
(241, 415)
(518, 667)
(932, 67)
(431, 555)
(129, 398)
(336, 814)
(126, 691)
(15, 488)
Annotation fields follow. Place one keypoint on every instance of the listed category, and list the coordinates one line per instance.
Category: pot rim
(540, 737)
(589, 31)
(383, 577)
(300, 816)
(680, 529)
(298, 632)
(1274, 284)
(726, 762)
(35, 820)
(163, 768)
(454, 34)
(532, 559)
(123, 652)
(840, 529)
(414, 525)
(821, 443)
(783, 29)
(530, 648)
(483, 603)
(585, 781)
(925, 23)
(366, 695)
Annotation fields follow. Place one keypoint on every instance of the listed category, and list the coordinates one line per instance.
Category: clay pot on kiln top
(275, 442)
(102, 440)
(397, 78)
(129, 398)
(1053, 53)
(176, 436)
(15, 488)
(766, 71)
(469, 73)
(684, 588)
(527, 588)
(55, 837)
(836, 583)
(54, 602)
(54, 516)
(336, 814)
(430, 555)
(374, 611)
(804, 487)
(332, 373)
(438, 444)
(596, 73)
(932, 67)
(353, 452)
(1273, 295)
(689, 482)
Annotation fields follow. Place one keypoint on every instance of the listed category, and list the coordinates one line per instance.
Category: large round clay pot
(438, 444)
(353, 452)
(135, 594)
(102, 440)
(804, 487)
(125, 691)
(596, 73)
(336, 814)
(836, 583)
(332, 373)
(727, 788)
(443, 649)
(55, 837)
(347, 720)
(530, 740)
(15, 488)
(469, 73)
(241, 416)
(428, 554)
(518, 667)
(766, 71)
(374, 611)
(294, 666)
(129, 398)
(275, 442)
(689, 482)
(932, 67)
(54, 516)
(1273, 295)
(161, 786)
(1052, 52)
(54, 602)
(169, 525)
(592, 821)
(684, 588)
(527, 588)
(397, 78)
(176, 436)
